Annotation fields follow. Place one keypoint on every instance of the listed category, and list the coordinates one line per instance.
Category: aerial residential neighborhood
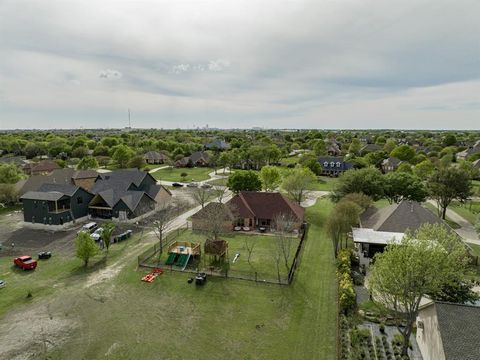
(239, 180)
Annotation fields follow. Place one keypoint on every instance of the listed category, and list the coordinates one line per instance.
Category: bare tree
(201, 195)
(162, 220)
(276, 255)
(220, 193)
(250, 243)
(215, 217)
(283, 225)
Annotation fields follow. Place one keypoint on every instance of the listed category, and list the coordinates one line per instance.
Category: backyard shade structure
(216, 248)
(180, 253)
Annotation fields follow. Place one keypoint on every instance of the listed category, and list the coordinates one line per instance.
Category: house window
(79, 200)
(325, 164)
(332, 164)
(338, 164)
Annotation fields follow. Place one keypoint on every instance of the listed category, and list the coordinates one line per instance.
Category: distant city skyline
(346, 64)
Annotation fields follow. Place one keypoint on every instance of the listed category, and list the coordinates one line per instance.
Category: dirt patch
(29, 333)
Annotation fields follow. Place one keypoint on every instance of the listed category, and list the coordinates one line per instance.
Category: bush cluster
(346, 296)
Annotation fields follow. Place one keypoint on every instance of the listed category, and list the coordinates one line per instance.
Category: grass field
(173, 174)
(126, 318)
(449, 221)
(45, 279)
(325, 183)
(469, 211)
(262, 258)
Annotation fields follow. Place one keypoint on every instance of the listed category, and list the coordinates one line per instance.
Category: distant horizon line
(255, 128)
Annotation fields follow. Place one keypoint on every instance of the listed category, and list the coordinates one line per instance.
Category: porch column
(56, 206)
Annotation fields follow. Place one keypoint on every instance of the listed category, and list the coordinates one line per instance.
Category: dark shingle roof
(41, 195)
(460, 331)
(398, 217)
(219, 144)
(265, 205)
(154, 155)
(65, 189)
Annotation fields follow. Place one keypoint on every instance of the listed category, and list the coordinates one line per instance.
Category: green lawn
(49, 274)
(173, 174)
(262, 259)
(449, 221)
(469, 211)
(226, 318)
(325, 183)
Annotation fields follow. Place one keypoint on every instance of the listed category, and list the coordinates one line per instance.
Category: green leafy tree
(85, 247)
(10, 173)
(404, 186)
(449, 140)
(422, 264)
(405, 168)
(403, 152)
(424, 169)
(340, 221)
(320, 148)
(8, 194)
(298, 182)
(390, 145)
(244, 180)
(107, 233)
(87, 163)
(448, 184)
(368, 181)
(183, 175)
(136, 162)
(270, 176)
(122, 155)
(355, 146)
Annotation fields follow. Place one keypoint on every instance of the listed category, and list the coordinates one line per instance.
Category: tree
(340, 221)
(389, 145)
(136, 162)
(310, 161)
(403, 152)
(404, 186)
(405, 168)
(85, 247)
(79, 152)
(320, 148)
(283, 225)
(360, 199)
(368, 181)
(423, 263)
(270, 176)
(449, 140)
(355, 146)
(122, 155)
(10, 174)
(200, 195)
(214, 216)
(244, 181)
(161, 221)
(424, 169)
(183, 175)
(87, 163)
(448, 184)
(250, 243)
(298, 182)
(107, 232)
(8, 194)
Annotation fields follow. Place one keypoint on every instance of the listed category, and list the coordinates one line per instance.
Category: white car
(97, 234)
(2, 283)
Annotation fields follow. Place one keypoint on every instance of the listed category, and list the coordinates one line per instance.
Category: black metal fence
(151, 259)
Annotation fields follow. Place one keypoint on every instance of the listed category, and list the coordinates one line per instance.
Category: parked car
(44, 255)
(97, 234)
(192, 184)
(206, 186)
(2, 283)
(25, 262)
(90, 227)
(176, 184)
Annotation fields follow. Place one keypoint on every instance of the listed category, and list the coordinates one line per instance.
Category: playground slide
(182, 260)
(186, 262)
(171, 258)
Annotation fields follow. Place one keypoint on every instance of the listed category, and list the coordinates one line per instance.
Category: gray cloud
(401, 63)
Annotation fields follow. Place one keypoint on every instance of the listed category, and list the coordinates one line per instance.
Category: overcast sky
(229, 64)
